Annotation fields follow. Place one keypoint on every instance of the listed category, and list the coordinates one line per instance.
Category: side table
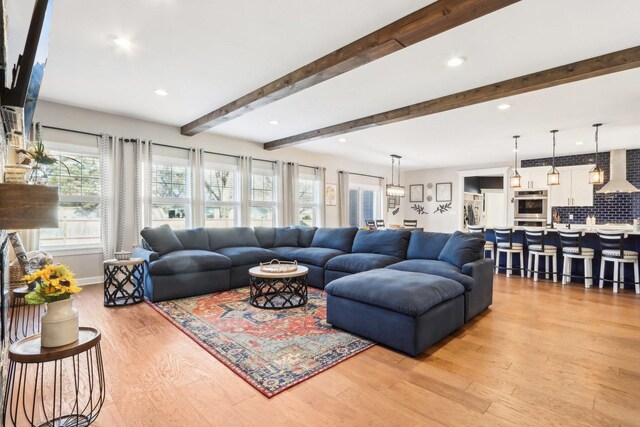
(59, 386)
(278, 290)
(123, 284)
(24, 318)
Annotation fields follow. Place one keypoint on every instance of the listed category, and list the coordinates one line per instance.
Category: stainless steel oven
(530, 205)
(529, 222)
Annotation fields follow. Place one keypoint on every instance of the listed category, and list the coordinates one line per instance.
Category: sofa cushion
(195, 238)
(245, 255)
(188, 261)
(286, 237)
(386, 242)
(426, 245)
(437, 268)
(313, 256)
(355, 263)
(306, 236)
(403, 292)
(266, 236)
(161, 239)
(231, 237)
(462, 248)
(334, 238)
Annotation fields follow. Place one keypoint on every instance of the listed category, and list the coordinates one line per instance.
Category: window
(364, 204)
(221, 194)
(308, 197)
(79, 192)
(170, 192)
(263, 197)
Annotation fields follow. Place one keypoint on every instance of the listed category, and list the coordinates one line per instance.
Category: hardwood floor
(543, 354)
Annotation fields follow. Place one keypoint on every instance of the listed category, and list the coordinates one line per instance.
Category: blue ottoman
(403, 310)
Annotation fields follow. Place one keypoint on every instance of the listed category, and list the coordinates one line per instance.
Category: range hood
(618, 181)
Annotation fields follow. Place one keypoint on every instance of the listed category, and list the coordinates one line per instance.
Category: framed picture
(443, 192)
(331, 194)
(416, 193)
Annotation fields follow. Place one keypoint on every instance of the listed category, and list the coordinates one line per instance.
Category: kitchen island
(590, 240)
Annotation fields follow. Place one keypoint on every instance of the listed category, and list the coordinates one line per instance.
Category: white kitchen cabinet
(534, 178)
(574, 188)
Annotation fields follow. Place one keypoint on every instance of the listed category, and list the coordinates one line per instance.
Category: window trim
(235, 204)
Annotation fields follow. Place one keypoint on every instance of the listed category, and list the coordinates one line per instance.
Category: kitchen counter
(590, 240)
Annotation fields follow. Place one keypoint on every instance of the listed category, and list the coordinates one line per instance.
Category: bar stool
(505, 243)
(613, 251)
(488, 246)
(537, 248)
(571, 243)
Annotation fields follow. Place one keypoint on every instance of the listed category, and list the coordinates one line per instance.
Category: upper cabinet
(574, 188)
(534, 178)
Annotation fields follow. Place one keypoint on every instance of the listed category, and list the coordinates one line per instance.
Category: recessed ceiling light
(456, 61)
(123, 43)
(579, 142)
(274, 122)
(504, 107)
(342, 140)
(161, 92)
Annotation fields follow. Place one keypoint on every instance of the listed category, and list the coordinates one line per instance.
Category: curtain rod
(363, 174)
(237, 157)
(71, 130)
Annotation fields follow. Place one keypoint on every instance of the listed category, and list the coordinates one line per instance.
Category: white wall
(64, 116)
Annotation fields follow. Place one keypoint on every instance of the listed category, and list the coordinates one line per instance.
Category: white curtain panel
(198, 178)
(383, 200)
(112, 193)
(290, 174)
(190, 188)
(143, 156)
(320, 182)
(343, 198)
(244, 164)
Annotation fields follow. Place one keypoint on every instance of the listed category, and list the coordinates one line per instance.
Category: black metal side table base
(278, 293)
(123, 282)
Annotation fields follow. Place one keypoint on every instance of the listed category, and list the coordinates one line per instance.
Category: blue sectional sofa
(400, 288)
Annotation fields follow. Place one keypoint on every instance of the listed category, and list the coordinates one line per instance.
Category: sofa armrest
(481, 268)
(148, 256)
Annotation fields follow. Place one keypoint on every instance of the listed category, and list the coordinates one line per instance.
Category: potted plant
(53, 285)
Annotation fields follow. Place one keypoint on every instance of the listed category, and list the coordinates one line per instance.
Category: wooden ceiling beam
(422, 24)
(589, 68)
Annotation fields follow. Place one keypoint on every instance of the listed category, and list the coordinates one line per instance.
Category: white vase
(59, 324)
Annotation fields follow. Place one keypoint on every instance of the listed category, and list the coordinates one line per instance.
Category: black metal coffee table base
(278, 293)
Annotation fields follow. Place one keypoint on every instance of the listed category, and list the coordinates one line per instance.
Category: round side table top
(256, 272)
(21, 291)
(130, 261)
(29, 350)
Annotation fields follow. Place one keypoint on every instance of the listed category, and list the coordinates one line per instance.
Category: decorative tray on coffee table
(277, 266)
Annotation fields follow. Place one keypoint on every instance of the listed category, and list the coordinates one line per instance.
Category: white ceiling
(208, 53)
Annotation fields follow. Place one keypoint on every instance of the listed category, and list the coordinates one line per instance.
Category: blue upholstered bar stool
(506, 245)
(612, 243)
(488, 246)
(571, 242)
(537, 248)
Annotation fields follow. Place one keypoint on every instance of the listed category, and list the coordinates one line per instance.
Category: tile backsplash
(614, 208)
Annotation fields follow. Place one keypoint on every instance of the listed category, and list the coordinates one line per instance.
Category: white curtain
(112, 193)
(320, 182)
(288, 196)
(244, 164)
(197, 173)
(343, 198)
(190, 190)
(143, 157)
(382, 206)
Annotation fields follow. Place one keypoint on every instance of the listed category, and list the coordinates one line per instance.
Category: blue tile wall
(617, 208)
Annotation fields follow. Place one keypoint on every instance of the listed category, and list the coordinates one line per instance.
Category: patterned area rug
(270, 349)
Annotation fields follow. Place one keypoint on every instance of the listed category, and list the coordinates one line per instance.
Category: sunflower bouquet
(52, 283)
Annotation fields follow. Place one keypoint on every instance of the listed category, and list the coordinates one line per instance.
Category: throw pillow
(18, 249)
(306, 236)
(161, 239)
(462, 248)
(266, 236)
(286, 237)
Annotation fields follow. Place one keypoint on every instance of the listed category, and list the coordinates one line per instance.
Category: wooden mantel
(25, 206)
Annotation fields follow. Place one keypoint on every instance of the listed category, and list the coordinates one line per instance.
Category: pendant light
(596, 175)
(553, 177)
(394, 190)
(515, 180)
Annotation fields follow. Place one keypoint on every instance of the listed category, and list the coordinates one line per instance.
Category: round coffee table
(276, 291)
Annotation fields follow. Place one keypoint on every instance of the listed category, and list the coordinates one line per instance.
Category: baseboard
(89, 280)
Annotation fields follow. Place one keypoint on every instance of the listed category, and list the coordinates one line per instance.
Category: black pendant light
(596, 175)
(553, 177)
(394, 190)
(516, 180)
